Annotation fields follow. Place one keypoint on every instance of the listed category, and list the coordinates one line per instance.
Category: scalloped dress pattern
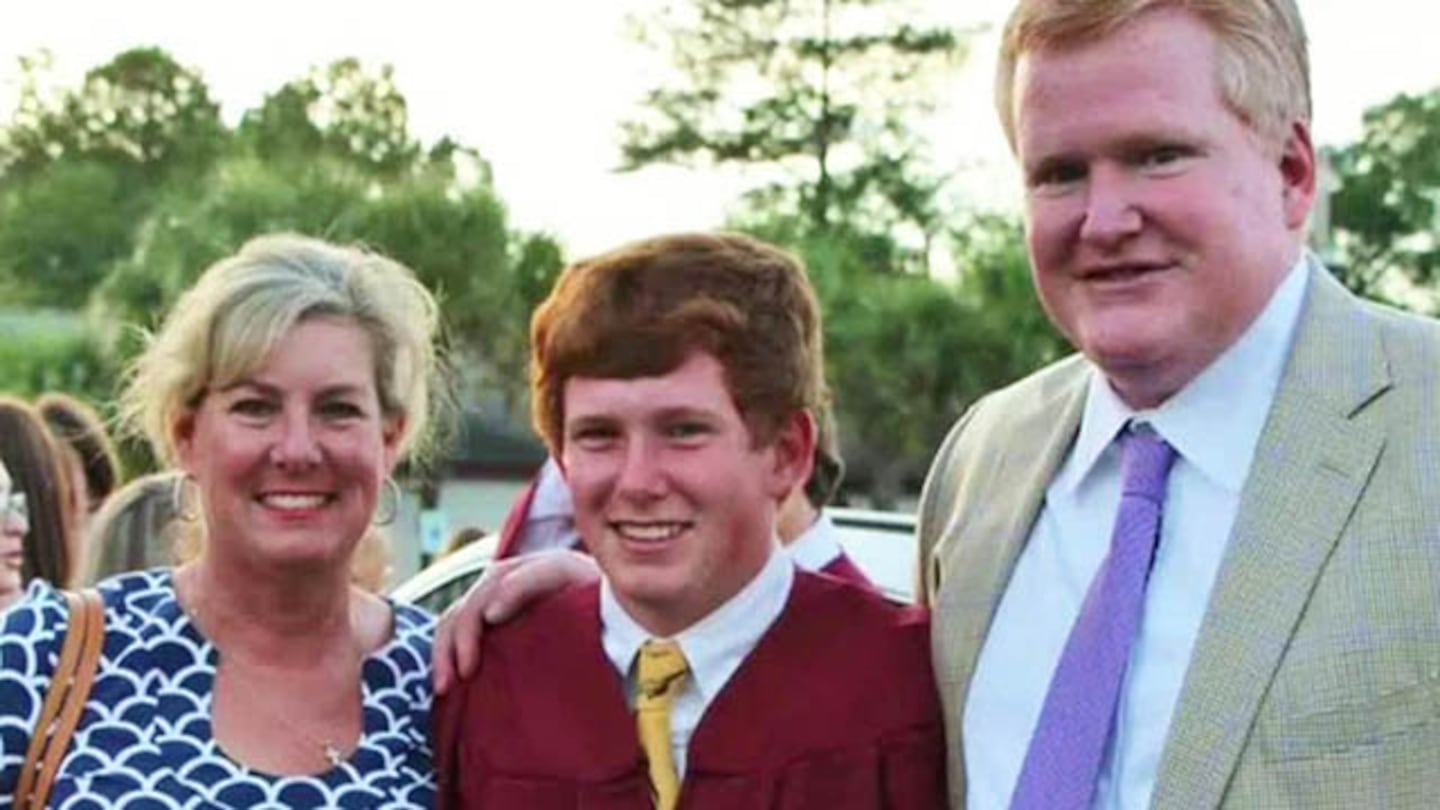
(144, 741)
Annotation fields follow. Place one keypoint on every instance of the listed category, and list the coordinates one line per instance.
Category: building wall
(463, 502)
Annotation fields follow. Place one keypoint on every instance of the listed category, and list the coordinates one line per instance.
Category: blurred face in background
(14, 525)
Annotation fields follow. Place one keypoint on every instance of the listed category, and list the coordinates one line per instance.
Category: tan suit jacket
(1315, 681)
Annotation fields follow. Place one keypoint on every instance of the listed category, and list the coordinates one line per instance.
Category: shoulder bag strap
(65, 700)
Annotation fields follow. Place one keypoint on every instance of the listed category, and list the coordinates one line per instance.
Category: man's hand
(505, 589)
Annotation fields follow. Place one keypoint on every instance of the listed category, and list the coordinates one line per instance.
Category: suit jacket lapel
(1310, 467)
(985, 537)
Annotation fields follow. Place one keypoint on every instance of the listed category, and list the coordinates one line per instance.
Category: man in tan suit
(1280, 645)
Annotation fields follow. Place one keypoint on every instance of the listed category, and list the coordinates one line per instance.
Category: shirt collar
(816, 547)
(552, 496)
(1215, 421)
(715, 646)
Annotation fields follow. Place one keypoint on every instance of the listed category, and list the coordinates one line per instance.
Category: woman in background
(90, 460)
(37, 470)
(14, 523)
(285, 386)
(135, 529)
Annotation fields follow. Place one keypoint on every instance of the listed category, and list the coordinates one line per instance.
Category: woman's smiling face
(290, 460)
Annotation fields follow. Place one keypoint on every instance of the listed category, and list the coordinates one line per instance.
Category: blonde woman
(286, 385)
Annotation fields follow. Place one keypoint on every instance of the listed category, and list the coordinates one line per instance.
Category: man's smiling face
(1159, 222)
(672, 494)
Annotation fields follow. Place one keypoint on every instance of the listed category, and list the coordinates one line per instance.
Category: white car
(882, 544)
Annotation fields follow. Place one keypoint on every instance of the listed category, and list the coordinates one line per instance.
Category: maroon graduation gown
(843, 569)
(834, 709)
(514, 525)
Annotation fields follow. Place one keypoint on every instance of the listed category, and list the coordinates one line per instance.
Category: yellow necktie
(661, 675)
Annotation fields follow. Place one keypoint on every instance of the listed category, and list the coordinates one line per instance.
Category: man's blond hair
(1263, 63)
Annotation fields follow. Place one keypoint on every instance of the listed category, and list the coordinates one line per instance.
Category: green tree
(78, 170)
(344, 111)
(820, 96)
(48, 351)
(1385, 211)
(141, 111)
(456, 239)
(993, 277)
(906, 353)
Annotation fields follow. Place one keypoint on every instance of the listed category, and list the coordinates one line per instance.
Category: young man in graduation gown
(675, 381)
(542, 518)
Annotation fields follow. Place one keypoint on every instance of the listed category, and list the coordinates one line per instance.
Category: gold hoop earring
(178, 500)
(384, 517)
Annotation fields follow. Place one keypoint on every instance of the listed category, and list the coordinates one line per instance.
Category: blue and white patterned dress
(144, 740)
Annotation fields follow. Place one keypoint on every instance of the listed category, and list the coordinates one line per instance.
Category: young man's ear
(794, 454)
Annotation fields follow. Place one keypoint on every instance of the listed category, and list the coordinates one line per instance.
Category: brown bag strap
(65, 700)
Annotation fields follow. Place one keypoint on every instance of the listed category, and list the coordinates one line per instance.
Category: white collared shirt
(715, 646)
(817, 546)
(550, 523)
(1214, 424)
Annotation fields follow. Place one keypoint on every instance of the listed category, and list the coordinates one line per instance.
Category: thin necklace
(329, 750)
(332, 753)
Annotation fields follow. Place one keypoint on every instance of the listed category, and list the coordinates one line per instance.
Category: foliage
(343, 111)
(1385, 213)
(820, 97)
(80, 168)
(456, 240)
(906, 353)
(115, 195)
(59, 228)
(48, 352)
(993, 277)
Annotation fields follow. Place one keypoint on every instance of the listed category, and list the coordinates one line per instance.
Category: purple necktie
(1063, 764)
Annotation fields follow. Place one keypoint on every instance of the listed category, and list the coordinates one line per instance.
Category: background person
(136, 529)
(14, 524)
(52, 549)
(371, 567)
(286, 384)
(90, 458)
(805, 529)
(1255, 622)
(674, 381)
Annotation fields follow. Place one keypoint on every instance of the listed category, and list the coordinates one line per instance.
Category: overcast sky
(540, 86)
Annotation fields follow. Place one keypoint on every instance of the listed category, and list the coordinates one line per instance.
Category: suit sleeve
(936, 501)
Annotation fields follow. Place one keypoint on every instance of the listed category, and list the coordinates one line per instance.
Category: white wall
(464, 502)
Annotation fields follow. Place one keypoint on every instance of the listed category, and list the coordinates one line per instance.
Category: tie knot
(1145, 461)
(660, 667)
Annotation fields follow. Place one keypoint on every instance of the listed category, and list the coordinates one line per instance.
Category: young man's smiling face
(673, 495)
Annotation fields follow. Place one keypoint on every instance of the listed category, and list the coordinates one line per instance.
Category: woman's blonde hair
(227, 324)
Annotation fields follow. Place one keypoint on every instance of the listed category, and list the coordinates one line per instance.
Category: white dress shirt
(550, 523)
(1214, 424)
(714, 647)
(817, 546)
